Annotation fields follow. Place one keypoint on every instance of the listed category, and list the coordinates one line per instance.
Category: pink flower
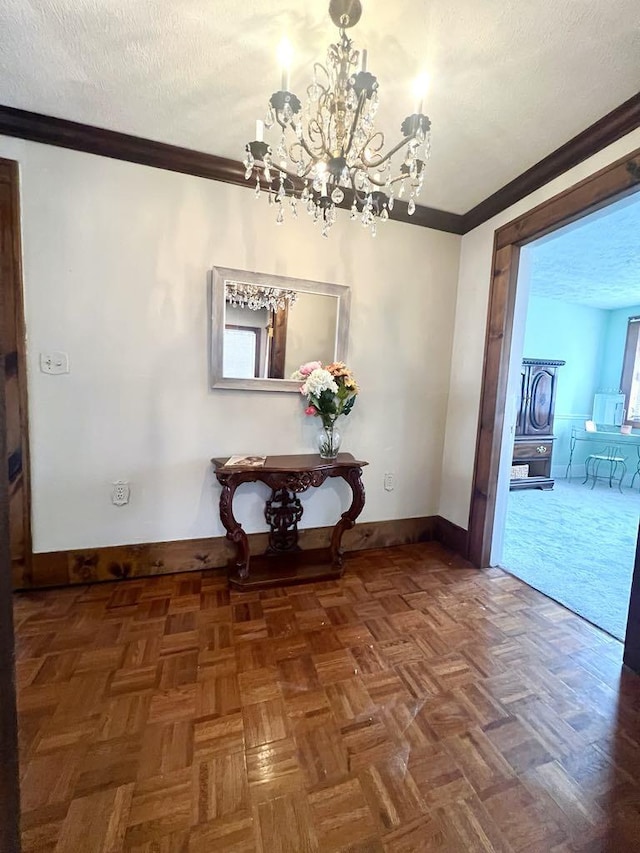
(309, 367)
(311, 410)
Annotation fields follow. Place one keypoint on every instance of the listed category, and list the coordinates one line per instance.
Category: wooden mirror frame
(219, 275)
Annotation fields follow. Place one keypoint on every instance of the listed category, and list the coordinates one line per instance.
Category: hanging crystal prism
(269, 119)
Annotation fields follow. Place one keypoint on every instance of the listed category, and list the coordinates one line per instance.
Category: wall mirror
(263, 327)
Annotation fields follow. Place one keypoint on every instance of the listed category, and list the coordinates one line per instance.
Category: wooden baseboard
(91, 565)
(449, 534)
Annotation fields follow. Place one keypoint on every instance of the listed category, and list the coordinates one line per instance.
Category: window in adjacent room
(630, 382)
(241, 352)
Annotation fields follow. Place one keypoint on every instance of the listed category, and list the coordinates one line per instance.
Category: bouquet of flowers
(331, 391)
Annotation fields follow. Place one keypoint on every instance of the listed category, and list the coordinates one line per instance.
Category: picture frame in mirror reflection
(264, 326)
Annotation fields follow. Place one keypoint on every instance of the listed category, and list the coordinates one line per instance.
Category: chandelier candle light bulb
(420, 88)
(328, 152)
(285, 55)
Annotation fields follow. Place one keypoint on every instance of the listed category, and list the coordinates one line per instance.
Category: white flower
(317, 381)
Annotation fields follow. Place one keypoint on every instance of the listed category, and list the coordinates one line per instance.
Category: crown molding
(160, 155)
(608, 129)
(146, 152)
(119, 146)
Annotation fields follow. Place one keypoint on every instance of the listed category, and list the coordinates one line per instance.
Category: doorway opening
(571, 501)
(488, 497)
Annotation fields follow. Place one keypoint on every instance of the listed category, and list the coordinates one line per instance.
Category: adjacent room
(258, 293)
(574, 498)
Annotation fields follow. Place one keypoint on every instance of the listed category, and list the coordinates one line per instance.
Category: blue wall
(576, 334)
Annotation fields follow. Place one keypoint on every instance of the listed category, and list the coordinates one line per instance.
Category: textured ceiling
(512, 80)
(595, 261)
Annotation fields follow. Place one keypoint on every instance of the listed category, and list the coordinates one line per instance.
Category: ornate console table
(287, 476)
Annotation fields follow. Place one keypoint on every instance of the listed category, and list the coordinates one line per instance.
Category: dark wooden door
(632, 640)
(540, 392)
(9, 787)
(522, 402)
(12, 344)
(278, 348)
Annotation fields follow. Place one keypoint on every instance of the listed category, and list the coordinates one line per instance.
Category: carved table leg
(348, 518)
(282, 512)
(234, 529)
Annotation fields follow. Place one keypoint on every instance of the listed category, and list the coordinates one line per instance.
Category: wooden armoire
(534, 438)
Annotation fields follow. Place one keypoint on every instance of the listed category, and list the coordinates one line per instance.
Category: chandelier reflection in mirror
(256, 297)
(329, 150)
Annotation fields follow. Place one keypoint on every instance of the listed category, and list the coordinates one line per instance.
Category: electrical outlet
(120, 493)
(54, 362)
(389, 481)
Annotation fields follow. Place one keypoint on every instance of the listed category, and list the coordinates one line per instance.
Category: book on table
(245, 461)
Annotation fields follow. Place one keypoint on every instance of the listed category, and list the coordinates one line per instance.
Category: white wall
(469, 335)
(115, 266)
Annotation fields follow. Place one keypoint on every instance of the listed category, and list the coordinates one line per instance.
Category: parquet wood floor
(414, 705)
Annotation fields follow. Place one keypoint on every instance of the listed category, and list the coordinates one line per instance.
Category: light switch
(54, 362)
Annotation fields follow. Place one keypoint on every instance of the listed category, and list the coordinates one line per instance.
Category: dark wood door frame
(9, 784)
(14, 376)
(600, 189)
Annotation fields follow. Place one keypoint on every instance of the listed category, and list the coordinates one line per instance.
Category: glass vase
(329, 441)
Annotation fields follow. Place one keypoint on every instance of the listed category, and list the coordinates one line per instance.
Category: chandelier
(255, 297)
(328, 153)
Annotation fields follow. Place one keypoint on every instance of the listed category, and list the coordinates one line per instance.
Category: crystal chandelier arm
(354, 123)
(316, 129)
(301, 142)
(300, 160)
(362, 196)
(373, 179)
(321, 86)
(323, 94)
(324, 121)
(302, 146)
(372, 164)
